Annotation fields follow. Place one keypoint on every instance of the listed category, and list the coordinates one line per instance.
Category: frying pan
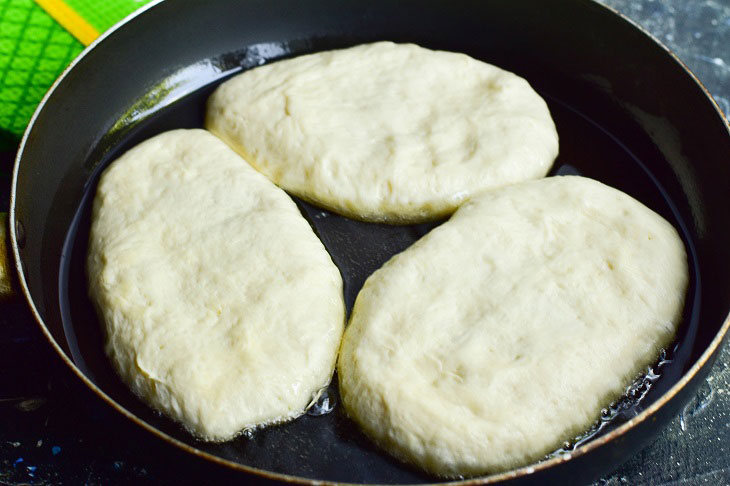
(627, 111)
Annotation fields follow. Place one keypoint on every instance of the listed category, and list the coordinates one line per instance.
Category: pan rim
(524, 471)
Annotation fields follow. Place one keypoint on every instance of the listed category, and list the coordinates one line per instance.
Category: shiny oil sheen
(358, 249)
(627, 112)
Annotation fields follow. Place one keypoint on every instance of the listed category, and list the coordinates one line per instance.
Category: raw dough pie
(504, 331)
(386, 132)
(221, 307)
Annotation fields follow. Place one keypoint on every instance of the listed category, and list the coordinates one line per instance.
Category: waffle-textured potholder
(37, 41)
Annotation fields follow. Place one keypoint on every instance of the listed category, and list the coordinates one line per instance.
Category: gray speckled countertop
(695, 448)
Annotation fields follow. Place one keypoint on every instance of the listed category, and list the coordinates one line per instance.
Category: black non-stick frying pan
(628, 114)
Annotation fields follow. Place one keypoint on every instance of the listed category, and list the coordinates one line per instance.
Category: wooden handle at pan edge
(6, 273)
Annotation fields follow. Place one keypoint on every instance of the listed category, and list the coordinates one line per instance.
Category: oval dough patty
(504, 331)
(386, 132)
(221, 307)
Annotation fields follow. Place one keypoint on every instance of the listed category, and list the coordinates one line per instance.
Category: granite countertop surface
(54, 431)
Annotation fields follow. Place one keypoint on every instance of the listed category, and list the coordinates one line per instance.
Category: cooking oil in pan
(323, 404)
(629, 405)
(315, 443)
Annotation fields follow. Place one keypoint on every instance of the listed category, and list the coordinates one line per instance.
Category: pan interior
(318, 446)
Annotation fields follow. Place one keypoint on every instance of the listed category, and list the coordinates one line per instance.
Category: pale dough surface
(221, 307)
(384, 131)
(504, 331)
